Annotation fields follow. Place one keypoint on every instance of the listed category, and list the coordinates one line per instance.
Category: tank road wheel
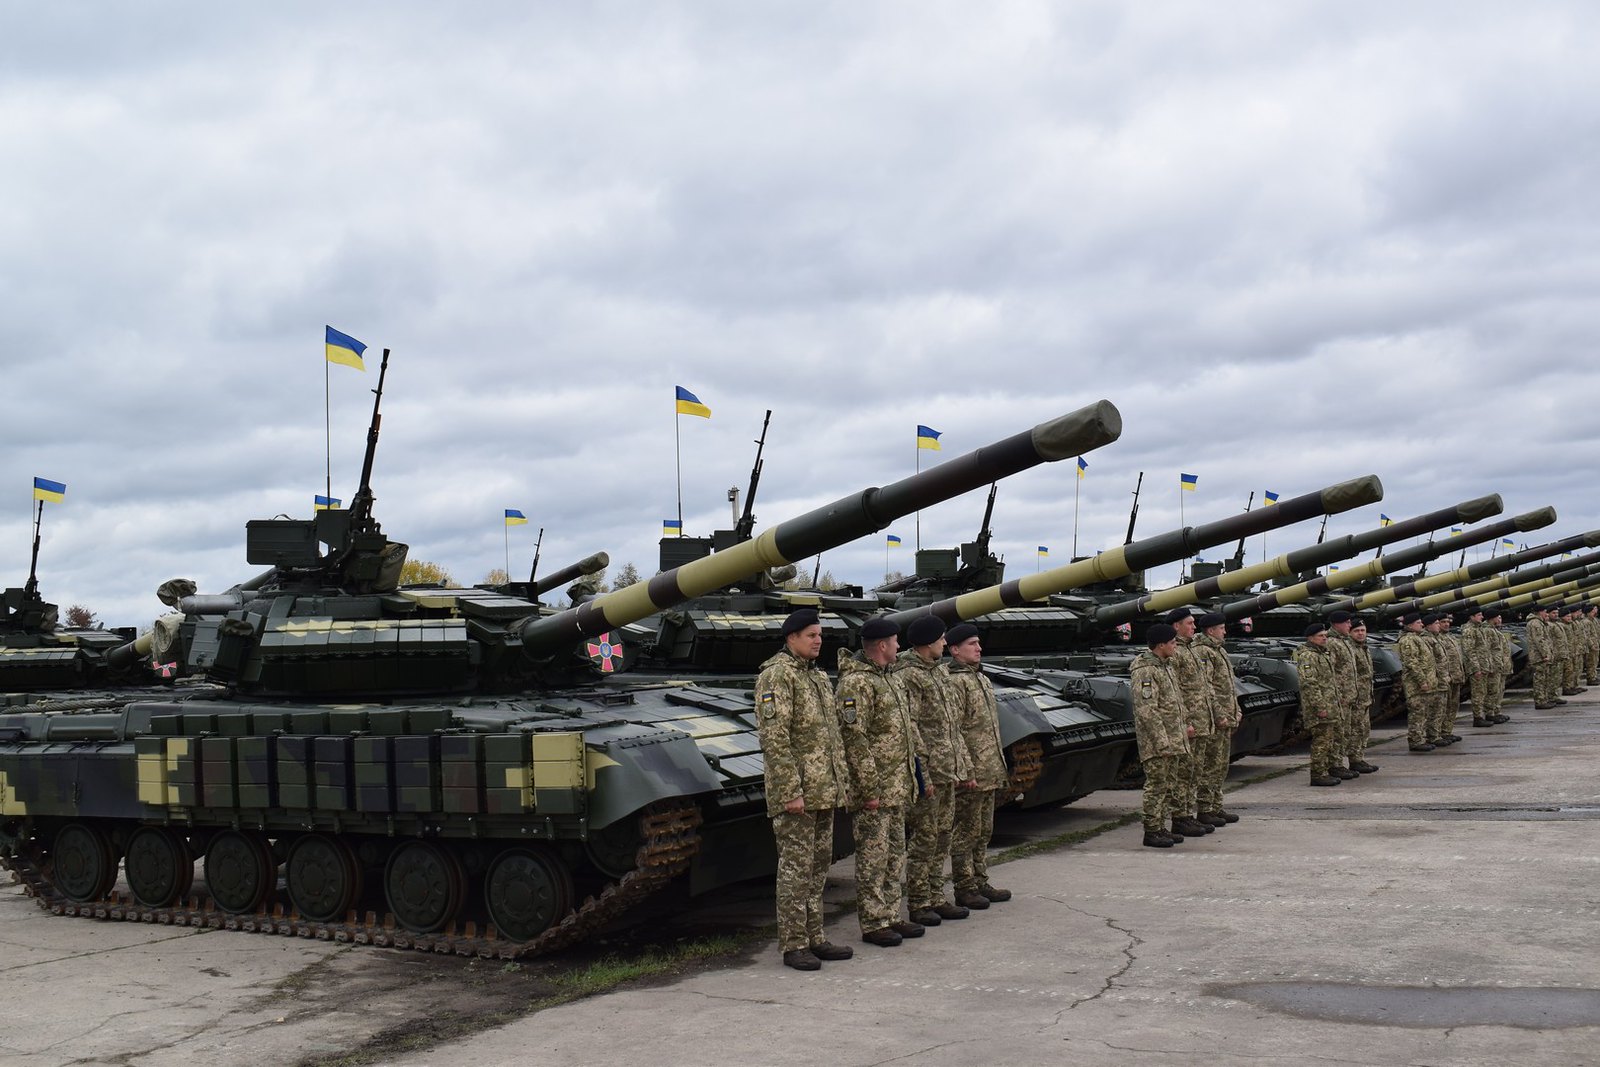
(159, 866)
(424, 886)
(527, 892)
(85, 866)
(324, 878)
(240, 871)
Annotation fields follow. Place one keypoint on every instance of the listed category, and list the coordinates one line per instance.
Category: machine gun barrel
(589, 565)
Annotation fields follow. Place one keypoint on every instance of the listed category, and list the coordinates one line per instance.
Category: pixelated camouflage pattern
(1193, 684)
(1158, 713)
(1211, 769)
(876, 726)
(1358, 724)
(932, 705)
(978, 717)
(930, 822)
(1218, 669)
(1163, 778)
(971, 828)
(805, 851)
(800, 741)
(880, 865)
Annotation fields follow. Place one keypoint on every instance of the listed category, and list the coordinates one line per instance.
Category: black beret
(1357, 620)
(1476, 609)
(1316, 628)
(879, 626)
(1491, 612)
(799, 619)
(1410, 617)
(961, 631)
(1339, 616)
(1431, 617)
(1210, 619)
(924, 630)
(1177, 615)
(1159, 634)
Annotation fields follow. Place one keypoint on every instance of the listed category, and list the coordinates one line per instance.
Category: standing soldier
(1576, 645)
(806, 781)
(1319, 701)
(1419, 677)
(1436, 735)
(979, 717)
(1455, 676)
(1212, 751)
(1345, 684)
(1561, 652)
(883, 778)
(1198, 719)
(1541, 659)
(1500, 642)
(1591, 654)
(1158, 720)
(1361, 707)
(1481, 652)
(943, 756)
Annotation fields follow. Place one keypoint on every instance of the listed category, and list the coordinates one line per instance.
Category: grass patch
(607, 973)
(1051, 844)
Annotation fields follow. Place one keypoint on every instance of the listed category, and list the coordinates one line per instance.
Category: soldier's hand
(797, 806)
(927, 790)
(970, 783)
(1189, 729)
(871, 805)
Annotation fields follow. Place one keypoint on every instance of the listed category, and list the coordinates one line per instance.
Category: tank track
(1027, 763)
(669, 839)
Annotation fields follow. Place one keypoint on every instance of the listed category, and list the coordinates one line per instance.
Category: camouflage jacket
(1196, 688)
(1502, 639)
(1591, 633)
(1453, 659)
(1345, 682)
(979, 717)
(933, 714)
(1319, 688)
(1479, 648)
(1536, 640)
(1363, 656)
(1419, 669)
(1219, 678)
(878, 736)
(1158, 715)
(800, 741)
(1560, 643)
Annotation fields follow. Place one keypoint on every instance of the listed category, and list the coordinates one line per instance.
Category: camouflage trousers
(1164, 779)
(1356, 727)
(1482, 689)
(1546, 682)
(930, 821)
(969, 838)
(1497, 692)
(1448, 708)
(805, 852)
(880, 866)
(1591, 663)
(1419, 714)
(1569, 672)
(1323, 741)
(1210, 769)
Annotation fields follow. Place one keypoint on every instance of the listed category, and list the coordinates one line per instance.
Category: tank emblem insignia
(604, 651)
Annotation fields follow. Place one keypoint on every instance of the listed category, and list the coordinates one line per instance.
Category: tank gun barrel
(1569, 580)
(1545, 596)
(588, 565)
(834, 524)
(1299, 561)
(1525, 581)
(1424, 586)
(1150, 552)
(1382, 565)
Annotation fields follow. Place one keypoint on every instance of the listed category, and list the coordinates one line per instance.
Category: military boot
(999, 896)
(1454, 738)
(1191, 827)
(801, 959)
(1341, 772)
(1156, 839)
(1422, 747)
(972, 899)
(925, 917)
(906, 929)
(827, 950)
(1364, 767)
(946, 910)
(1211, 819)
(1497, 718)
(883, 937)
(1326, 779)
(1227, 816)
(1480, 723)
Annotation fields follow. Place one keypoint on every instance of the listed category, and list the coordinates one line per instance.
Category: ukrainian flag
(1333, 566)
(1083, 465)
(1455, 531)
(342, 348)
(1384, 520)
(1188, 482)
(1506, 542)
(671, 527)
(1043, 551)
(325, 503)
(892, 541)
(1268, 498)
(689, 404)
(45, 489)
(927, 437)
(515, 517)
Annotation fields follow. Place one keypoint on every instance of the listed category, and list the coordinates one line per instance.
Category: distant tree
(827, 581)
(893, 576)
(80, 617)
(421, 572)
(498, 576)
(627, 574)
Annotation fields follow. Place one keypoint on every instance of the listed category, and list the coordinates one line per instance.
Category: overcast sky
(1293, 243)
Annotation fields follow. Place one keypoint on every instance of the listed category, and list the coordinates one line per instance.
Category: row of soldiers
(1563, 644)
(908, 744)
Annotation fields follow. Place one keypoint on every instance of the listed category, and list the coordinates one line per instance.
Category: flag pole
(919, 511)
(1183, 572)
(505, 528)
(1076, 483)
(327, 434)
(677, 458)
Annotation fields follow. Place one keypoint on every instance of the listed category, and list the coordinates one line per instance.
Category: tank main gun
(1469, 573)
(1546, 577)
(1151, 552)
(1302, 560)
(826, 527)
(1577, 572)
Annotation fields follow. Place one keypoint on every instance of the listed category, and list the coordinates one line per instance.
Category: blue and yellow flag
(1268, 498)
(344, 349)
(892, 541)
(515, 517)
(1455, 531)
(1083, 465)
(1188, 482)
(45, 489)
(325, 503)
(1384, 520)
(927, 437)
(1333, 566)
(671, 527)
(1044, 551)
(689, 404)
(1506, 542)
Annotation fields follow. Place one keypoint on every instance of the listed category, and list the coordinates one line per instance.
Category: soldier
(1436, 735)
(1419, 677)
(1338, 644)
(1591, 654)
(807, 779)
(1481, 652)
(1198, 719)
(1577, 643)
(1541, 658)
(1455, 676)
(883, 778)
(1211, 752)
(1561, 652)
(1158, 719)
(1319, 701)
(1503, 666)
(979, 718)
(942, 755)
(1361, 706)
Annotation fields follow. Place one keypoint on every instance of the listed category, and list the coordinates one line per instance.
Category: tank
(445, 770)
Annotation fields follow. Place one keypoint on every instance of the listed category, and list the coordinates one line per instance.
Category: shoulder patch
(848, 712)
(1147, 688)
(769, 704)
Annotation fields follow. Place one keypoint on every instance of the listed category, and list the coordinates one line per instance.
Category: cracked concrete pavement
(1468, 871)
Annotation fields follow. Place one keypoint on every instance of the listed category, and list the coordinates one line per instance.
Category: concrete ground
(1443, 911)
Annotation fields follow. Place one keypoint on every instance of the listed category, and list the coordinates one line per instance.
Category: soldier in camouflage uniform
(1419, 678)
(1321, 701)
(1432, 627)
(942, 755)
(1501, 637)
(1456, 661)
(1591, 654)
(1481, 652)
(1344, 685)
(806, 779)
(979, 717)
(1572, 675)
(1197, 716)
(1561, 652)
(1212, 751)
(1158, 720)
(1361, 707)
(879, 746)
(1541, 659)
